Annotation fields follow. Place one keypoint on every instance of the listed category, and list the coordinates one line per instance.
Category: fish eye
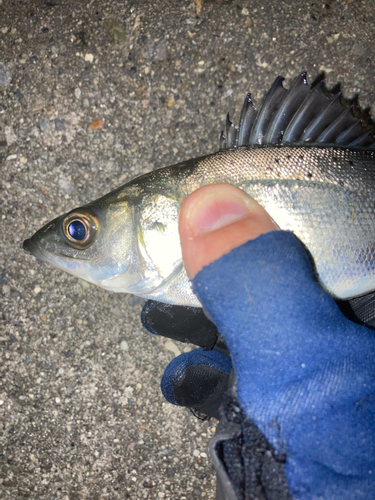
(80, 228)
(77, 230)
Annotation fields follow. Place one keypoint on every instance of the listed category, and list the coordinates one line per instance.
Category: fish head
(126, 241)
(96, 242)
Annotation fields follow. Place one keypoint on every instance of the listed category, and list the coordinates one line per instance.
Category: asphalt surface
(81, 412)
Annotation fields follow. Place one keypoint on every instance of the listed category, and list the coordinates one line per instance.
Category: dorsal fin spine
(297, 115)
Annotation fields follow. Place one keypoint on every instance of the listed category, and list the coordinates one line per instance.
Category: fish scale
(349, 168)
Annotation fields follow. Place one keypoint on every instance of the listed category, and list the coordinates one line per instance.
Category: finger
(215, 219)
(197, 379)
(185, 324)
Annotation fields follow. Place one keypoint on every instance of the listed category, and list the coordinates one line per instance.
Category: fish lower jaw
(123, 283)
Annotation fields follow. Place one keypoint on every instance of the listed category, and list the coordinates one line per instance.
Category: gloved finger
(185, 324)
(197, 379)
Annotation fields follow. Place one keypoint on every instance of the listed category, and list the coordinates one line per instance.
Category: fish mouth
(26, 245)
(33, 249)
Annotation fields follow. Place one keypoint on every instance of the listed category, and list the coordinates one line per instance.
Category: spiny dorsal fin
(270, 104)
(231, 133)
(292, 100)
(248, 115)
(299, 114)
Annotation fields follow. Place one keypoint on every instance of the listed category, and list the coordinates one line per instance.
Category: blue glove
(197, 379)
(305, 373)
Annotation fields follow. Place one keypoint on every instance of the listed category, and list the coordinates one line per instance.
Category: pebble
(89, 57)
(134, 300)
(37, 289)
(10, 136)
(171, 346)
(66, 186)
(156, 50)
(11, 157)
(59, 124)
(325, 69)
(170, 102)
(95, 125)
(110, 139)
(43, 124)
(124, 346)
(358, 49)
(86, 102)
(77, 93)
(115, 31)
(5, 76)
(198, 6)
(165, 451)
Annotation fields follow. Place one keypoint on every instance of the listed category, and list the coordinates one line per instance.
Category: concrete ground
(81, 412)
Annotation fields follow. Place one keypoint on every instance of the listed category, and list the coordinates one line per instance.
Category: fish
(303, 156)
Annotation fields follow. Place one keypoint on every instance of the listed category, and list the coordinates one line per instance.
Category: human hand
(305, 374)
(199, 379)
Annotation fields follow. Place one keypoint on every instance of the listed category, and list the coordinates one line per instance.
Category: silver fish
(303, 157)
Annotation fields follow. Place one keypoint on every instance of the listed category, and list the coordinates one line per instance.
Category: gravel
(82, 415)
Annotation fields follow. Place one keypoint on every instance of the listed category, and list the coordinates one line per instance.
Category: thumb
(215, 219)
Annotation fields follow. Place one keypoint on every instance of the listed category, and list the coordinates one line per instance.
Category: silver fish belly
(127, 241)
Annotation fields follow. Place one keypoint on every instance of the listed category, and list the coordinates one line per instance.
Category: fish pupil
(77, 230)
